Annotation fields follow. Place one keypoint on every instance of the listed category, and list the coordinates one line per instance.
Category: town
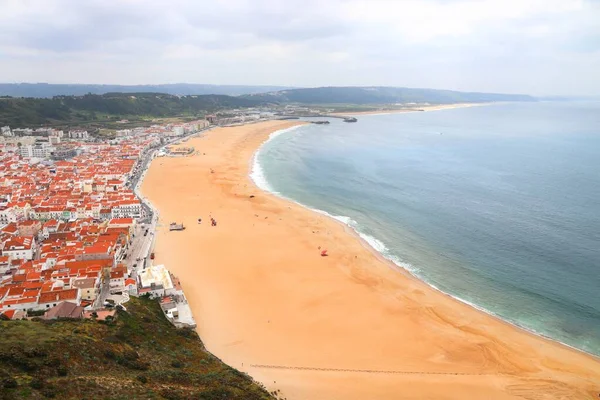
(76, 236)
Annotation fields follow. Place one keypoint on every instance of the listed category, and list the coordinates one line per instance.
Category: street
(141, 246)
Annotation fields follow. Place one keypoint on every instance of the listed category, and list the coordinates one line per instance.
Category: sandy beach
(346, 326)
(416, 108)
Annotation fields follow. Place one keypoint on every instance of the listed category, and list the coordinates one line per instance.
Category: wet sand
(346, 326)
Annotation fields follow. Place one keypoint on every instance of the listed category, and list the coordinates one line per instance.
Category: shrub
(187, 333)
(37, 383)
(172, 394)
(111, 339)
(138, 365)
(62, 370)
(177, 364)
(52, 362)
(142, 378)
(108, 353)
(9, 383)
(49, 391)
(216, 394)
(131, 355)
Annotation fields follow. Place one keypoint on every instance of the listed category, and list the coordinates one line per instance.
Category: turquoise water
(496, 205)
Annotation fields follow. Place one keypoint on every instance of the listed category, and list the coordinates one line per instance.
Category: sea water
(496, 205)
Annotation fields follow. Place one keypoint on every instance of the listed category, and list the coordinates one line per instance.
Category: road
(141, 247)
(103, 294)
(141, 168)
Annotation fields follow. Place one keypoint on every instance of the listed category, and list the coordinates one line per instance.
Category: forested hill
(49, 90)
(97, 109)
(20, 112)
(381, 95)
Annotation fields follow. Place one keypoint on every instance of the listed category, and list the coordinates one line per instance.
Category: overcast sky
(521, 46)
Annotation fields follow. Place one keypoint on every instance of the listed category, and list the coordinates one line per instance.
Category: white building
(37, 150)
(117, 282)
(7, 216)
(20, 247)
(156, 280)
(127, 209)
(123, 133)
(78, 134)
(22, 132)
(178, 130)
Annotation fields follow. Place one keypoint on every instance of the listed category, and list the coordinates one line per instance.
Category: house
(64, 310)
(131, 286)
(49, 227)
(98, 251)
(8, 215)
(20, 247)
(29, 228)
(121, 223)
(105, 213)
(4, 265)
(14, 314)
(88, 287)
(169, 307)
(156, 281)
(53, 298)
(117, 281)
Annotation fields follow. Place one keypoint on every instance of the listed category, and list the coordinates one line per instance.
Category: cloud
(492, 45)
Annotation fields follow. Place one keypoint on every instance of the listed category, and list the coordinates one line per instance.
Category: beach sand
(415, 108)
(264, 298)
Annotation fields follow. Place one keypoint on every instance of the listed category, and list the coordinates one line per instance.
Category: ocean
(498, 206)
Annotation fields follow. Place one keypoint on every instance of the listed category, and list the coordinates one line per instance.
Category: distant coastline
(417, 108)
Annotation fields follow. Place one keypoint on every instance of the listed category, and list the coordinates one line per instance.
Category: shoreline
(371, 285)
(395, 265)
(423, 108)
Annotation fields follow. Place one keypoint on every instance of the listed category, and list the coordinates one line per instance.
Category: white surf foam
(257, 173)
(371, 241)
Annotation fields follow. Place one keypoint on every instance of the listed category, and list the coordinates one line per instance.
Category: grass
(140, 355)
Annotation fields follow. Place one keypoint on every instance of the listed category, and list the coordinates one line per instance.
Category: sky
(538, 47)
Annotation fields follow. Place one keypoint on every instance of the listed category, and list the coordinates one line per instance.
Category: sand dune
(267, 303)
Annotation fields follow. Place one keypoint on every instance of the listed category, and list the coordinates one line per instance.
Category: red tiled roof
(58, 295)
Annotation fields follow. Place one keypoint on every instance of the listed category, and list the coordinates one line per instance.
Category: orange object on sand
(324, 253)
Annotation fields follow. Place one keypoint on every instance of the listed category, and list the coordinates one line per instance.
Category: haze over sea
(496, 205)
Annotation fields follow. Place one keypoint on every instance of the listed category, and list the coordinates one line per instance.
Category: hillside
(380, 95)
(50, 90)
(140, 355)
(19, 112)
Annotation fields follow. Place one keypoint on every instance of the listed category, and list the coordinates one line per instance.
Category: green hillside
(23, 112)
(140, 355)
(380, 95)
